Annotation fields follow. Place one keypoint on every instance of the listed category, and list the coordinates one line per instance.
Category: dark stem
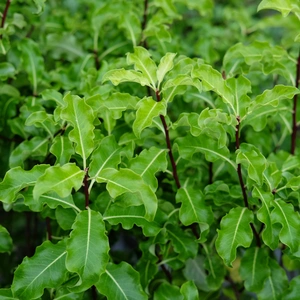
(168, 141)
(163, 267)
(96, 57)
(294, 133)
(49, 232)
(210, 173)
(235, 290)
(86, 188)
(5, 15)
(94, 293)
(144, 23)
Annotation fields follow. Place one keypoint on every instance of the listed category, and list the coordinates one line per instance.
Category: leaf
(141, 59)
(17, 179)
(234, 231)
(127, 181)
(294, 289)
(284, 214)
(60, 180)
(130, 216)
(7, 70)
(294, 183)
(189, 145)
(6, 294)
(6, 243)
(45, 269)
(167, 291)
(189, 291)
(193, 208)
(148, 163)
(62, 148)
(165, 65)
(147, 109)
(132, 25)
(81, 117)
(120, 282)
(283, 6)
(40, 5)
(87, 249)
(249, 156)
(254, 268)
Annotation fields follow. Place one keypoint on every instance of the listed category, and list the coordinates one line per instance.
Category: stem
(94, 293)
(210, 173)
(294, 133)
(49, 232)
(86, 188)
(163, 267)
(144, 23)
(168, 141)
(5, 14)
(97, 61)
(235, 290)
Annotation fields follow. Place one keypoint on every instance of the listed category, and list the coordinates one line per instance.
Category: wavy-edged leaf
(60, 180)
(147, 109)
(16, 179)
(126, 181)
(234, 231)
(120, 282)
(165, 65)
(141, 59)
(81, 117)
(284, 214)
(87, 249)
(62, 148)
(45, 269)
(283, 6)
(250, 156)
(148, 163)
(189, 291)
(193, 209)
(254, 268)
(189, 145)
(6, 242)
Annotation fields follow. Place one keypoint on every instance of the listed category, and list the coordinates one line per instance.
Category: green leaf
(81, 117)
(189, 291)
(283, 6)
(165, 65)
(250, 156)
(294, 289)
(17, 179)
(254, 269)
(132, 25)
(167, 291)
(7, 70)
(127, 181)
(147, 109)
(6, 294)
(62, 148)
(141, 59)
(193, 208)
(45, 269)
(234, 231)
(87, 249)
(294, 183)
(120, 282)
(40, 5)
(60, 180)
(284, 214)
(6, 242)
(148, 163)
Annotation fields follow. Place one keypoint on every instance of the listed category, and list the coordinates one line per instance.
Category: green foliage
(149, 149)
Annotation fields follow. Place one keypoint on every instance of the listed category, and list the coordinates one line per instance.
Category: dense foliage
(149, 149)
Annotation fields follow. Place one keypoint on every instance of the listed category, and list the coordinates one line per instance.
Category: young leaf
(166, 64)
(120, 282)
(127, 181)
(60, 180)
(132, 25)
(6, 242)
(254, 269)
(189, 291)
(45, 269)
(16, 179)
(147, 109)
(87, 249)
(62, 148)
(235, 231)
(283, 6)
(81, 117)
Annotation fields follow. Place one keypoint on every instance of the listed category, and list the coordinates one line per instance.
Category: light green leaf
(40, 5)
(193, 208)
(189, 291)
(6, 242)
(165, 65)
(120, 282)
(60, 180)
(283, 6)
(127, 181)
(132, 25)
(284, 214)
(234, 231)
(147, 109)
(148, 163)
(62, 148)
(141, 59)
(87, 249)
(254, 269)
(81, 117)
(294, 289)
(45, 269)
(250, 157)
(16, 179)
(294, 183)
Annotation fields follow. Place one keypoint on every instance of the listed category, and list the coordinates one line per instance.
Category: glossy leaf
(87, 249)
(62, 148)
(189, 291)
(294, 289)
(60, 180)
(167, 291)
(45, 269)
(6, 242)
(234, 231)
(120, 282)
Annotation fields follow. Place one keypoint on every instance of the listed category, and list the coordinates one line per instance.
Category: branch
(5, 14)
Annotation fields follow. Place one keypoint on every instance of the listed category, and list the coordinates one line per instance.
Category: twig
(5, 15)
(144, 23)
